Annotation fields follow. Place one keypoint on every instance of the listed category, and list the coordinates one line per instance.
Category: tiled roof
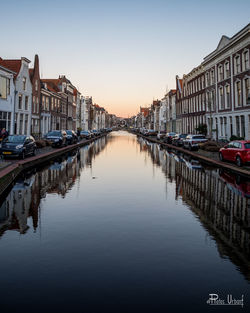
(145, 111)
(54, 81)
(13, 65)
(52, 84)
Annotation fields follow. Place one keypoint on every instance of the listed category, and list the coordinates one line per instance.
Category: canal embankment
(10, 172)
(202, 156)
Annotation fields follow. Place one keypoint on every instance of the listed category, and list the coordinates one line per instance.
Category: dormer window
(24, 83)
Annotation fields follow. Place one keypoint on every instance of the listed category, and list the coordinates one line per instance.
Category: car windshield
(198, 137)
(69, 132)
(183, 135)
(84, 132)
(54, 133)
(15, 139)
(247, 145)
(171, 134)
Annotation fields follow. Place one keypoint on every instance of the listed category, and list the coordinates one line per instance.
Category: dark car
(168, 138)
(177, 140)
(71, 137)
(18, 145)
(58, 138)
(150, 132)
(236, 151)
(85, 134)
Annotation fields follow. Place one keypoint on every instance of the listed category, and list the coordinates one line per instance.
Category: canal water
(122, 225)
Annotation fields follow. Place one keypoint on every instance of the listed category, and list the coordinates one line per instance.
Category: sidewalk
(204, 156)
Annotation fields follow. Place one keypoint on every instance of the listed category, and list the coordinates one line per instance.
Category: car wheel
(221, 157)
(238, 161)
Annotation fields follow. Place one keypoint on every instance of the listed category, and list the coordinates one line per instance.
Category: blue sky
(123, 53)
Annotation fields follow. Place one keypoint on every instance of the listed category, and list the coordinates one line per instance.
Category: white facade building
(7, 99)
(227, 73)
(162, 115)
(23, 99)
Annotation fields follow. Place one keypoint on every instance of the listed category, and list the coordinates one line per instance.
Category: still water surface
(124, 226)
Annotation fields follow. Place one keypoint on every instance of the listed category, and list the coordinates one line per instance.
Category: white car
(192, 141)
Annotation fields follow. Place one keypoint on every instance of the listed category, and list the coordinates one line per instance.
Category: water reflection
(221, 200)
(24, 199)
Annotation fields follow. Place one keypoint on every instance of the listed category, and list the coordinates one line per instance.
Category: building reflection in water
(221, 200)
(23, 201)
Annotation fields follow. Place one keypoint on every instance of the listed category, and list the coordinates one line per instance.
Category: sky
(123, 53)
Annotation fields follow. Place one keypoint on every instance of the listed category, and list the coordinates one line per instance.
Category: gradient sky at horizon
(122, 53)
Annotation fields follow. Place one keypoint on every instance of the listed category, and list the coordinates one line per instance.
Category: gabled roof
(223, 42)
(13, 65)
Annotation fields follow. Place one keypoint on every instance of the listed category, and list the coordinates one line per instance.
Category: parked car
(85, 134)
(177, 140)
(161, 135)
(168, 138)
(71, 137)
(150, 132)
(96, 132)
(58, 138)
(192, 141)
(236, 151)
(18, 145)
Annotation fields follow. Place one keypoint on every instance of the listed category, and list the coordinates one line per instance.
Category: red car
(236, 151)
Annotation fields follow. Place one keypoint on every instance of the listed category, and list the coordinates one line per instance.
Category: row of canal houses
(214, 95)
(31, 105)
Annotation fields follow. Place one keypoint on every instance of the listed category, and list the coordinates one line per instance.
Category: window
(21, 124)
(26, 124)
(246, 91)
(245, 60)
(231, 126)
(47, 104)
(26, 103)
(43, 103)
(237, 64)
(20, 99)
(242, 119)
(221, 126)
(208, 79)
(225, 126)
(227, 104)
(227, 72)
(237, 126)
(221, 99)
(24, 83)
(212, 76)
(238, 94)
(220, 72)
(36, 85)
(3, 87)
(37, 105)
